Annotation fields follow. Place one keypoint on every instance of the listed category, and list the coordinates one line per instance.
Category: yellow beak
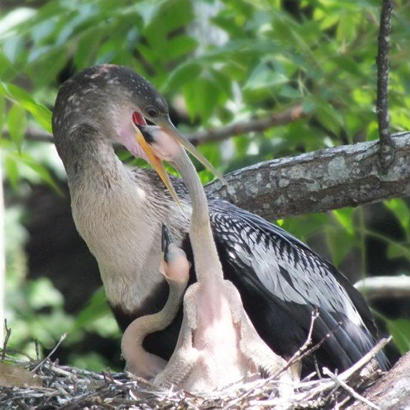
(158, 166)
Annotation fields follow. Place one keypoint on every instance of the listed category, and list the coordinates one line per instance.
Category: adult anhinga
(217, 344)
(119, 213)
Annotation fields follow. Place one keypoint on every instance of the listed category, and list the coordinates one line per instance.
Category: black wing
(281, 281)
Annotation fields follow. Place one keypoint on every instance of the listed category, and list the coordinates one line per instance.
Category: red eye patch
(138, 119)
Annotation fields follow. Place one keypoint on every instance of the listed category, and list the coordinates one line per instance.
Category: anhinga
(119, 213)
(174, 267)
(217, 344)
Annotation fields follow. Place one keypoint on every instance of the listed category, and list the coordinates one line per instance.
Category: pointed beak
(157, 164)
(166, 124)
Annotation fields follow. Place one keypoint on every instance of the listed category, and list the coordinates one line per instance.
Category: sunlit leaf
(345, 218)
(17, 124)
(400, 330)
(42, 293)
(16, 94)
(42, 171)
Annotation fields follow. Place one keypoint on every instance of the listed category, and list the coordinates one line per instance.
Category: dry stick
(347, 374)
(6, 339)
(304, 348)
(51, 353)
(386, 152)
(365, 359)
(349, 389)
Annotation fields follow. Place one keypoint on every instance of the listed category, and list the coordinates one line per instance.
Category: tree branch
(211, 135)
(386, 142)
(376, 287)
(243, 127)
(318, 181)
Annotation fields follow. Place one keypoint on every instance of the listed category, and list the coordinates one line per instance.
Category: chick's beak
(166, 124)
(157, 164)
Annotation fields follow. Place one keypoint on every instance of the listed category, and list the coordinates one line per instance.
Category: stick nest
(52, 386)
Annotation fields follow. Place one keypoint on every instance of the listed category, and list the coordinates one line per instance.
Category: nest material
(65, 387)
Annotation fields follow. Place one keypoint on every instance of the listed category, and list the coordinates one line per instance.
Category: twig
(300, 353)
(350, 390)
(34, 134)
(51, 353)
(365, 359)
(6, 339)
(386, 143)
(376, 287)
(243, 127)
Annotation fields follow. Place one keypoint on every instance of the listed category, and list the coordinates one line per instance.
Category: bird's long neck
(88, 158)
(207, 264)
(134, 335)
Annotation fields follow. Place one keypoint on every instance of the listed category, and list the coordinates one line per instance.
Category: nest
(47, 385)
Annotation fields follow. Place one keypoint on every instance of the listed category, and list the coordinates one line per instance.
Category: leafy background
(216, 61)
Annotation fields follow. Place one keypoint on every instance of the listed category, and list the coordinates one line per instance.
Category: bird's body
(119, 214)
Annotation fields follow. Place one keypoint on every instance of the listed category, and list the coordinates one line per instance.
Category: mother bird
(119, 213)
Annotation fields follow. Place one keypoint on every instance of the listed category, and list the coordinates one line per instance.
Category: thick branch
(376, 287)
(386, 143)
(319, 181)
(243, 127)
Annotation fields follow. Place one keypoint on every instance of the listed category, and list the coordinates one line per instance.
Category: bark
(392, 391)
(319, 181)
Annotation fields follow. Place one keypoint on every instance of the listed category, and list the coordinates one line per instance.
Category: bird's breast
(124, 238)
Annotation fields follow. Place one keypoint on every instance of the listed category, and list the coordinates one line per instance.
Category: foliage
(215, 61)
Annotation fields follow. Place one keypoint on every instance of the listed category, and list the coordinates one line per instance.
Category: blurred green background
(216, 62)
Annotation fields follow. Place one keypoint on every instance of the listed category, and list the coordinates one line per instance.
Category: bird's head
(113, 100)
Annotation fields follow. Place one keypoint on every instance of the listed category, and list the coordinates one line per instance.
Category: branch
(386, 143)
(210, 135)
(243, 127)
(384, 287)
(318, 181)
(34, 134)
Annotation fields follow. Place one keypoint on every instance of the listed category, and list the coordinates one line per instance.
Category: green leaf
(96, 308)
(11, 171)
(180, 45)
(39, 111)
(397, 251)
(400, 330)
(264, 76)
(345, 218)
(17, 124)
(42, 171)
(201, 96)
(2, 111)
(401, 211)
(182, 74)
(329, 117)
(340, 244)
(41, 293)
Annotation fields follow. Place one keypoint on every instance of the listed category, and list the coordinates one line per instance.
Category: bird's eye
(152, 112)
